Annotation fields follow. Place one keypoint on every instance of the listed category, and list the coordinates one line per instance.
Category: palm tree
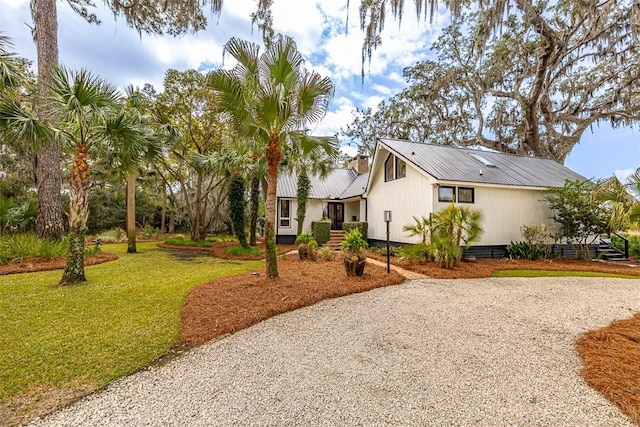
(453, 229)
(271, 97)
(90, 114)
(422, 227)
(623, 208)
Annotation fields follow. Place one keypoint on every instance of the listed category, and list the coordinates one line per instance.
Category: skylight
(482, 160)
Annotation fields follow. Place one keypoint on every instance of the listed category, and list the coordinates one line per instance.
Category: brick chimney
(360, 163)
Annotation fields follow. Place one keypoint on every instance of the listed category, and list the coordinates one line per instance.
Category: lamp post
(387, 219)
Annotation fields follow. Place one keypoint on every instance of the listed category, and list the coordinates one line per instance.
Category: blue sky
(120, 55)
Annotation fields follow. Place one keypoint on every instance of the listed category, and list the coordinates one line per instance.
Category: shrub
(325, 253)
(411, 252)
(453, 228)
(634, 245)
(363, 226)
(305, 237)
(525, 250)
(240, 251)
(354, 242)
(535, 235)
(321, 231)
(581, 218)
(24, 247)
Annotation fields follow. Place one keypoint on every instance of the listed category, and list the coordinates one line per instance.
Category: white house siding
(314, 213)
(405, 197)
(352, 209)
(504, 210)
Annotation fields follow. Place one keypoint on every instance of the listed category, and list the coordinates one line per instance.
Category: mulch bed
(486, 267)
(228, 304)
(54, 264)
(611, 363)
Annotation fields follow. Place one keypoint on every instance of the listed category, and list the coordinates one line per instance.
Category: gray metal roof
(357, 187)
(333, 186)
(448, 163)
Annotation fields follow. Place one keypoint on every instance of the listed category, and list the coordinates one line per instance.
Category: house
(338, 197)
(415, 179)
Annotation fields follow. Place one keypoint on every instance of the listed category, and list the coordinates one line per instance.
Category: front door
(336, 215)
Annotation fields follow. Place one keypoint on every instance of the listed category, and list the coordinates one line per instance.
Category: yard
(63, 342)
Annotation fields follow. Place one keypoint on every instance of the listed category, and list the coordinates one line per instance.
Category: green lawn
(549, 273)
(125, 316)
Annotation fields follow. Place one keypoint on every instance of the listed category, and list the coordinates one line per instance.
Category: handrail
(626, 244)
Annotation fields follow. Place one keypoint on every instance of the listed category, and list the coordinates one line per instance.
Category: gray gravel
(428, 352)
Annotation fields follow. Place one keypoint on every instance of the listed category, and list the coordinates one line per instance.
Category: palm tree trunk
(273, 158)
(131, 213)
(255, 203)
(163, 213)
(48, 174)
(79, 184)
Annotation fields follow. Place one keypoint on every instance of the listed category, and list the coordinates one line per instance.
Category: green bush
(325, 253)
(24, 247)
(412, 252)
(321, 231)
(240, 251)
(363, 226)
(354, 242)
(305, 237)
(634, 245)
(526, 250)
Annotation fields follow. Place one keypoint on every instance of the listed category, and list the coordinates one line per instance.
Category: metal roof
(448, 163)
(333, 186)
(357, 187)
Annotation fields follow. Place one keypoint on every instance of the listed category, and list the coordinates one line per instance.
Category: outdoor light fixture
(387, 219)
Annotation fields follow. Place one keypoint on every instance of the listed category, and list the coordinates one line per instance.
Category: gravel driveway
(428, 352)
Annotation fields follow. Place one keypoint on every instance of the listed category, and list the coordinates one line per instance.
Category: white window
(285, 214)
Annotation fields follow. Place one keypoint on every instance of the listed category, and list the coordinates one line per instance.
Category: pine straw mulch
(486, 267)
(231, 303)
(611, 363)
(54, 264)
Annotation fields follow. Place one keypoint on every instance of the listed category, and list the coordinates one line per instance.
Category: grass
(187, 242)
(81, 337)
(240, 251)
(548, 273)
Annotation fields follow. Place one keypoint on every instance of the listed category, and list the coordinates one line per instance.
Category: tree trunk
(303, 196)
(49, 223)
(163, 213)
(273, 159)
(172, 221)
(255, 204)
(79, 184)
(237, 208)
(130, 221)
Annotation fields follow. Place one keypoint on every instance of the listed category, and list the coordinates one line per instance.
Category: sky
(119, 54)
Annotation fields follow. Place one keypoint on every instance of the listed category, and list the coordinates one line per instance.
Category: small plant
(306, 245)
(525, 250)
(411, 252)
(353, 248)
(326, 254)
